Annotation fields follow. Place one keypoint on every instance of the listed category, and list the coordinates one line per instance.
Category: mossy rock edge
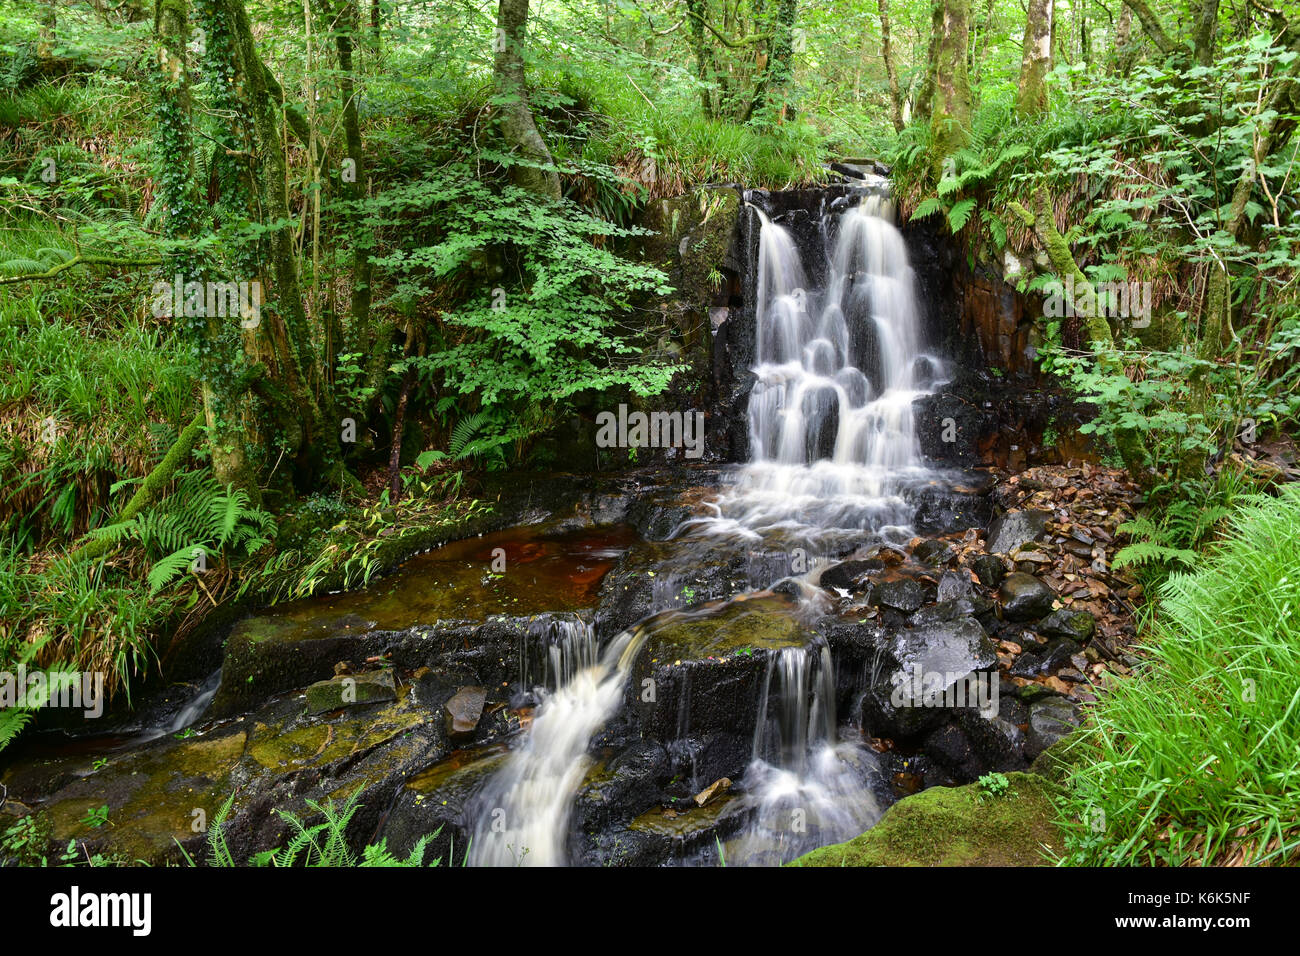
(958, 826)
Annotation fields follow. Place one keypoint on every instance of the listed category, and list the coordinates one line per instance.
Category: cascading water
(804, 787)
(833, 447)
(830, 415)
(565, 648)
(522, 815)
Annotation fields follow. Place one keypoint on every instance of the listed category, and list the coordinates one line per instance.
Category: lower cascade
(805, 786)
(523, 812)
(833, 448)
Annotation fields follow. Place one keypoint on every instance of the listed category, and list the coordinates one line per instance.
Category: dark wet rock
(1010, 707)
(943, 510)
(935, 552)
(666, 834)
(269, 656)
(659, 576)
(1025, 597)
(697, 682)
(624, 785)
(851, 575)
(464, 710)
(1050, 719)
(894, 705)
(955, 584)
(949, 428)
(348, 690)
(989, 569)
(275, 758)
(1009, 531)
(439, 800)
(952, 748)
(1077, 625)
(904, 594)
(997, 743)
(821, 412)
(940, 611)
(1040, 662)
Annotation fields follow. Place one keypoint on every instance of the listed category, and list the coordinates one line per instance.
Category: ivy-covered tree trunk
(1036, 59)
(1096, 327)
(517, 123)
(950, 113)
(307, 418)
(353, 172)
(777, 74)
(178, 191)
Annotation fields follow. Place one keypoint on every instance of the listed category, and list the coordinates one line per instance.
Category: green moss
(954, 826)
(760, 623)
(151, 798)
(686, 824)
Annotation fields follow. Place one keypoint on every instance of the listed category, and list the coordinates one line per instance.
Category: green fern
(199, 515)
(959, 214)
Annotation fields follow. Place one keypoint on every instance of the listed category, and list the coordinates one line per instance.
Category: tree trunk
(1207, 24)
(317, 452)
(517, 124)
(950, 113)
(925, 96)
(1125, 47)
(354, 173)
(696, 11)
(895, 97)
(178, 190)
(1151, 24)
(1036, 59)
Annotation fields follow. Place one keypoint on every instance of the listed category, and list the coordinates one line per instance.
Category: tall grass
(1196, 758)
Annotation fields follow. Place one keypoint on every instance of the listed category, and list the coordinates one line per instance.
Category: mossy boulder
(957, 826)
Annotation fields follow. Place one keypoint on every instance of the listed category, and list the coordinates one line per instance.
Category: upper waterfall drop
(832, 436)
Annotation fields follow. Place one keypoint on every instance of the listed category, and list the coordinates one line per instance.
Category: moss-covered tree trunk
(353, 174)
(774, 87)
(1036, 58)
(891, 72)
(696, 12)
(178, 190)
(1083, 298)
(1125, 49)
(313, 432)
(925, 95)
(950, 112)
(536, 173)
(1204, 31)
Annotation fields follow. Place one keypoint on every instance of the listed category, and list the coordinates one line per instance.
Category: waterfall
(832, 436)
(833, 445)
(567, 647)
(522, 815)
(804, 786)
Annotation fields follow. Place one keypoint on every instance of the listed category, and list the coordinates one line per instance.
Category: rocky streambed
(416, 692)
